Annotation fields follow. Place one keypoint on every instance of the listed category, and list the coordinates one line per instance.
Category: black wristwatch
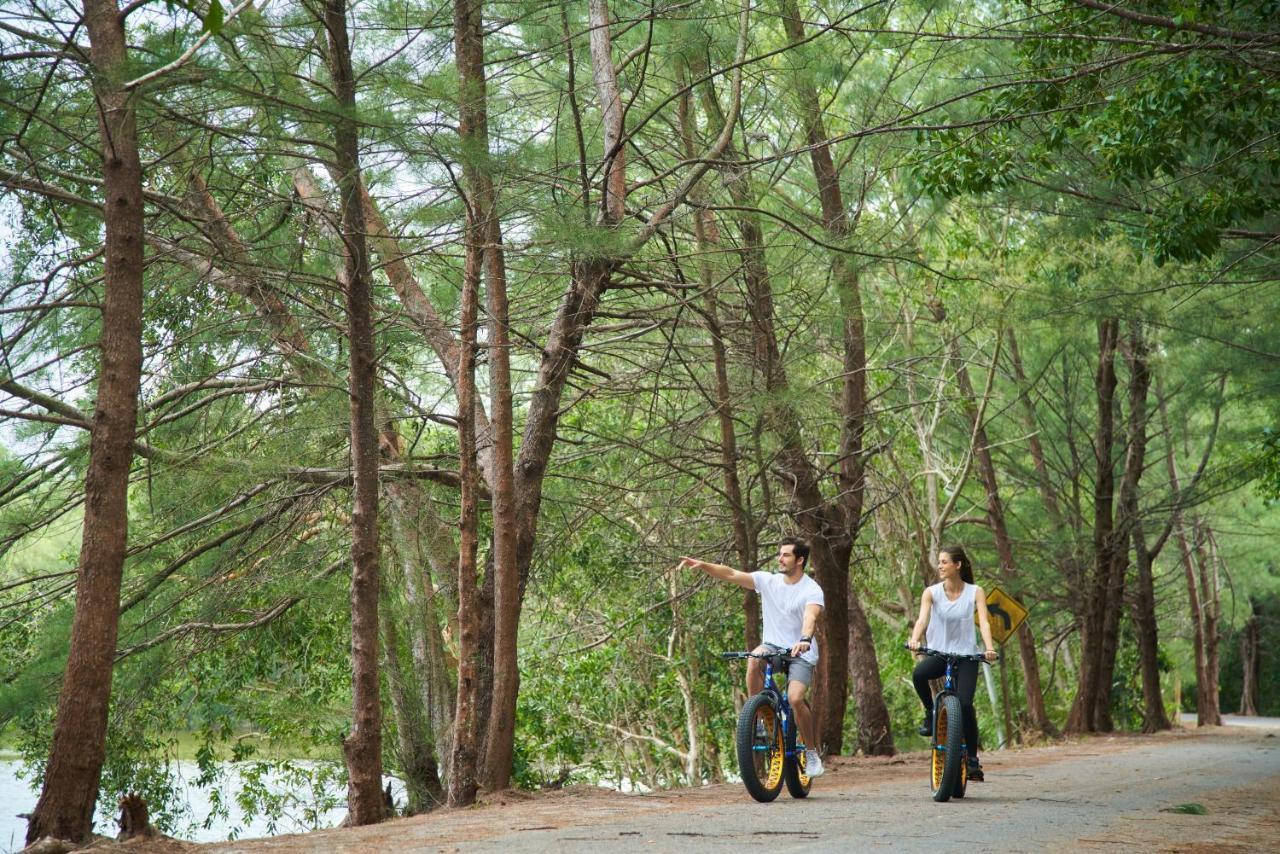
(807, 639)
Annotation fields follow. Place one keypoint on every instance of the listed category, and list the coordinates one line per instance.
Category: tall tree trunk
(415, 753)
(424, 548)
(1058, 518)
(590, 275)
(1250, 660)
(588, 279)
(1208, 559)
(1144, 599)
(1204, 714)
(1092, 600)
(508, 588)
(413, 518)
(614, 198)
(473, 129)
(363, 745)
(1127, 515)
(848, 647)
(423, 539)
(1154, 717)
(1009, 574)
(832, 690)
(1204, 717)
(464, 765)
(66, 804)
(1207, 706)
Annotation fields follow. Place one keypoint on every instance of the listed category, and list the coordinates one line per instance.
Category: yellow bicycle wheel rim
(769, 766)
(939, 756)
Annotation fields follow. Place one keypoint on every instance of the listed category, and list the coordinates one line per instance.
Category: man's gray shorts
(800, 670)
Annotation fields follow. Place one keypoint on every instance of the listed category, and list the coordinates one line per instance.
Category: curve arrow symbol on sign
(997, 611)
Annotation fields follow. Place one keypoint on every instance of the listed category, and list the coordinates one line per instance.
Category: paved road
(1101, 793)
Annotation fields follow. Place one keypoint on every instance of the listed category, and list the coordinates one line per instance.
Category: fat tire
(764, 707)
(798, 782)
(948, 732)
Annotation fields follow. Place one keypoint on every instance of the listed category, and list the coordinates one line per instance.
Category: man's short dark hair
(800, 547)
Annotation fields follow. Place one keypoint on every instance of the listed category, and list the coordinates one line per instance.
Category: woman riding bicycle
(946, 622)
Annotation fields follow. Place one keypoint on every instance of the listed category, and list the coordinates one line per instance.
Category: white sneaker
(812, 764)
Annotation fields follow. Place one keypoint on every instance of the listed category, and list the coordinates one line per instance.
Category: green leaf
(214, 18)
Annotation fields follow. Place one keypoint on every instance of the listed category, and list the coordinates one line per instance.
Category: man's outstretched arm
(720, 571)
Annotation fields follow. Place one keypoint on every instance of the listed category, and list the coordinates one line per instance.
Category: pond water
(306, 800)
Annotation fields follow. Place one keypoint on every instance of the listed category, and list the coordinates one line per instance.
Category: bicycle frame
(789, 729)
(948, 687)
(950, 751)
(792, 744)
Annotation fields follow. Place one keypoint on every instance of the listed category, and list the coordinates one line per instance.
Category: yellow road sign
(1006, 614)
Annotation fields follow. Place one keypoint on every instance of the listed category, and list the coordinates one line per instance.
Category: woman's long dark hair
(957, 555)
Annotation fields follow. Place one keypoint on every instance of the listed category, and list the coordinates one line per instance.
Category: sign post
(1006, 615)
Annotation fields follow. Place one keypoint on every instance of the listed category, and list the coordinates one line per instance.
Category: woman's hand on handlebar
(914, 645)
(991, 655)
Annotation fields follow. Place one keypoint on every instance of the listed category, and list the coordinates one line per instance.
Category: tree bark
(415, 751)
(614, 198)
(464, 765)
(588, 279)
(1208, 560)
(473, 129)
(1092, 600)
(1250, 660)
(847, 640)
(1207, 708)
(1126, 516)
(1144, 600)
(362, 747)
(72, 776)
(1204, 713)
(1036, 711)
(590, 275)
(423, 549)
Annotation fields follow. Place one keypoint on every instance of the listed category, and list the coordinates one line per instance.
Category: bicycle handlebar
(785, 656)
(924, 650)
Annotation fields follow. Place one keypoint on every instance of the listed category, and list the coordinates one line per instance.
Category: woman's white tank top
(951, 627)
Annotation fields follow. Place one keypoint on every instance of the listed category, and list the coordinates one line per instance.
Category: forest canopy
(368, 367)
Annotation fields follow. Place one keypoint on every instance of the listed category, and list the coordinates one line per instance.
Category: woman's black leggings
(966, 676)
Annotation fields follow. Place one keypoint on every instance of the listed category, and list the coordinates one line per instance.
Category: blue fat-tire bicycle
(949, 755)
(770, 750)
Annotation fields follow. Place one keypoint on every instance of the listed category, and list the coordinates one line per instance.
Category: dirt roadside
(1242, 811)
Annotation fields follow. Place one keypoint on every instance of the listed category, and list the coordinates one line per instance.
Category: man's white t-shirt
(783, 605)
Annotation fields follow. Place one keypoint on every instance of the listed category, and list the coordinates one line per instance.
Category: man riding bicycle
(792, 602)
